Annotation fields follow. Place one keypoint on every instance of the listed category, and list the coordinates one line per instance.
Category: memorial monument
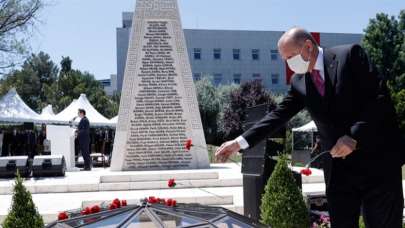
(158, 110)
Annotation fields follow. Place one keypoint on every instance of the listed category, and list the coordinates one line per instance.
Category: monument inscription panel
(158, 110)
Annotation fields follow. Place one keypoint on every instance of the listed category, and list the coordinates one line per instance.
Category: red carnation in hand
(86, 211)
(117, 202)
(95, 209)
(188, 144)
(63, 216)
(112, 206)
(171, 183)
(306, 172)
(123, 203)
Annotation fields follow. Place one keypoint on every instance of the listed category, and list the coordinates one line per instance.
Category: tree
(71, 83)
(283, 205)
(23, 212)
(248, 95)
(209, 105)
(385, 43)
(36, 73)
(17, 17)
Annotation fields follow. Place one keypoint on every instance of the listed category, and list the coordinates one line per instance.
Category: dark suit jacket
(355, 104)
(84, 131)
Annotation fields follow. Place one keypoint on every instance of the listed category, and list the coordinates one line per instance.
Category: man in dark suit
(357, 124)
(83, 135)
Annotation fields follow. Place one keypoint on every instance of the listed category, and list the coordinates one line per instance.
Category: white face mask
(298, 64)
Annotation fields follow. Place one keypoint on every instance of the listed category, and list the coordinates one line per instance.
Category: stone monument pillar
(158, 110)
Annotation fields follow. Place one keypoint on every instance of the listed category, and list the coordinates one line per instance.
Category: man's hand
(344, 146)
(226, 150)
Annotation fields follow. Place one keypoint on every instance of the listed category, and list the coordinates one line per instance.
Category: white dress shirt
(243, 144)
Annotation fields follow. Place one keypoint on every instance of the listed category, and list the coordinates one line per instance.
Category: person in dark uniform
(83, 135)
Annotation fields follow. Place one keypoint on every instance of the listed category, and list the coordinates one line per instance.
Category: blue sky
(85, 29)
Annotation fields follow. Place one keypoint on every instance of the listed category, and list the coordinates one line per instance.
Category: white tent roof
(309, 127)
(14, 109)
(114, 120)
(47, 113)
(92, 114)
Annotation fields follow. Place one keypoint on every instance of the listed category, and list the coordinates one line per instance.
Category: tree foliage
(384, 41)
(39, 83)
(248, 95)
(17, 18)
(23, 211)
(283, 205)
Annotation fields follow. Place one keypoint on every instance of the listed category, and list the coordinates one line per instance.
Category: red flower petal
(123, 203)
(306, 172)
(63, 216)
(188, 144)
(112, 206)
(95, 209)
(169, 202)
(117, 202)
(171, 183)
(174, 203)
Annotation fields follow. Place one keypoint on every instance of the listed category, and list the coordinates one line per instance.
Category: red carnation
(95, 209)
(171, 183)
(123, 203)
(117, 202)
(152, 200)
(63, 216)
(174, 203)
(188, 144)
(112, 206)
(86, 211)
(306, 172)
(169, 202)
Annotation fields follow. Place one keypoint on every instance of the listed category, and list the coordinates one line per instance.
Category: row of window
(218, 78)
(236, 54)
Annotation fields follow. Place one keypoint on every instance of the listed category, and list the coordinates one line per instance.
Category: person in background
(316, 150)
(83, 135)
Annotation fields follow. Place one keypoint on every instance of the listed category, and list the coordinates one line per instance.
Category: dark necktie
(318, 81)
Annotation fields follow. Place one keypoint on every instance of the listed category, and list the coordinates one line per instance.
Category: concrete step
(162, 176)
(49, 187)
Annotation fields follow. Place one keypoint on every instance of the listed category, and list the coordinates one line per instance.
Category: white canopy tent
(47, 113)
(309, 127)
(14, 109)
(70, 112)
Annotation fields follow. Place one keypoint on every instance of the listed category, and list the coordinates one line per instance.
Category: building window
(236, 54)
(197, 76)
(197, 53)
(255, 54)
(217, 79)
(217, 53)
(236, 78)
(274, 55)
(257, 77)
(275, 78)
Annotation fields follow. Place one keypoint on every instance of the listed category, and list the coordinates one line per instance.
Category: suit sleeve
(276, 119)
(375, 104)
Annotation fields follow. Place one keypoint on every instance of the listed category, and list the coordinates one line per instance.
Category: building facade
(230, 56)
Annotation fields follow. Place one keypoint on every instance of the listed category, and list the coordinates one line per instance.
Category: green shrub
(283, 205)
(23, 213)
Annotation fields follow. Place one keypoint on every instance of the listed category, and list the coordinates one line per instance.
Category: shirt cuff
(242, 142)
